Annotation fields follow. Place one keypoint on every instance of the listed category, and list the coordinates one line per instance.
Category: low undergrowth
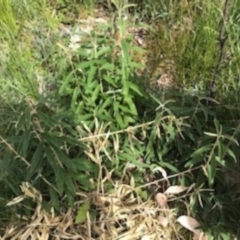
(79, 124)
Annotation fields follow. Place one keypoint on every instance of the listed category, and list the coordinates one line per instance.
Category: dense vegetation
(75, 118)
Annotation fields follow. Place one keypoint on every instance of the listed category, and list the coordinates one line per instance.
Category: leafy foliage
(98, 117)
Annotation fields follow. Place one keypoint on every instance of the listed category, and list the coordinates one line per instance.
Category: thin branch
(222, 43)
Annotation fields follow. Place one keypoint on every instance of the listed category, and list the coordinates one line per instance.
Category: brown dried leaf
(16, 200)
(175, 189)
(163, 171)
(190, 224)
(163, 221)
(161, 200)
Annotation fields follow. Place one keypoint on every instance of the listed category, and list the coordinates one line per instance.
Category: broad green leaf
(120, 121)
(200, 179)
(135, 65)
(51, 140)
(196, 159)
(59, 176)
(135, 88)
(110, 80)
(220, 148)
(89, 87)
(125, 59)
(206, 210)
(230, 138)
(209, 235)
(84, 51)
(131, 158)
(54, 198)
(211, 169)
(5, 120)
(82, 212)
(103, 51)
(103, 106)
(69, 184)
(46, 206)
(125, 88)
(70, 198)
(91, 74)
(231, 154)
(226, 236)
(125, 109)
(85, 65)
(95, 94)
(116, 107)
(63, 158)
(138, 49)
(217, 124)
(27, 118)
(131, 105)
(105, 116)
(23, 148)
(169, 166)
(84, 118)
(118, 116)
(20, 123)
(83, 181)
(206, 198)
(79, 108)
(128, 120)
(171, 131)
(70, 140)
(198, 126)
(180, 145)
(192, 203)
(65, 84)
(107, 66)
(143, 194)
(7, 161)
(75, 95)
(201, 150)
(47, 120)
(36, 161)
(13, 139)
(83, 164)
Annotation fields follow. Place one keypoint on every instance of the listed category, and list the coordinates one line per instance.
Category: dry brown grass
(121, 215)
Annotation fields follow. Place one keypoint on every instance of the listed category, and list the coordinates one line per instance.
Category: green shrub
(99, 118)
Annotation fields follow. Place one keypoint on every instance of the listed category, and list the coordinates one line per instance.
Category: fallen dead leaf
(161, 200)
(190, 224)
(163, 221)
(163, 171)
(175, 189)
